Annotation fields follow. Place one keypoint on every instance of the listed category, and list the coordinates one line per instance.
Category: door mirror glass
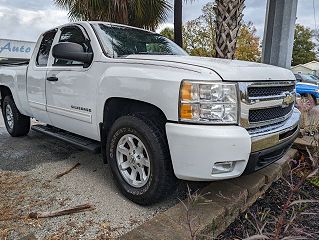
(71, 51)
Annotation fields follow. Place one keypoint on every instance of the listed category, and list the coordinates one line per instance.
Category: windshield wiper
(153, 53)
(144, 53)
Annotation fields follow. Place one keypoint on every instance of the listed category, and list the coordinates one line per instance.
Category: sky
(26, 19)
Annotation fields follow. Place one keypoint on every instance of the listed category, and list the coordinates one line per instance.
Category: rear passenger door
(36, 77)
(71, 96)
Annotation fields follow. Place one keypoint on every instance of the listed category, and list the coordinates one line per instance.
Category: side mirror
(71, 51)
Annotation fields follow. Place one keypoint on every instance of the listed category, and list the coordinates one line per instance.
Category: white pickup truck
(155, 113)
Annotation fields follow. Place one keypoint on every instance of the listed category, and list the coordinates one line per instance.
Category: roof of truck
(99, 22)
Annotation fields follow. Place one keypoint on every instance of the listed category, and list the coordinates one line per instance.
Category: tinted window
(45, 47)
(122, 41)
(74, 35)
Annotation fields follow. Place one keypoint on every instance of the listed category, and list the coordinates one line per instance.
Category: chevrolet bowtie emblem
(288, 99)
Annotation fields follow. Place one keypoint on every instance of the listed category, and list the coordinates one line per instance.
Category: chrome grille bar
(249, 103)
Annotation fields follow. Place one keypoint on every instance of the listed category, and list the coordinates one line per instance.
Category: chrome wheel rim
(9, 116)
(133, 160)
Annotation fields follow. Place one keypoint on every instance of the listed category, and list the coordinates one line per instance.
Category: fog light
(223, 167)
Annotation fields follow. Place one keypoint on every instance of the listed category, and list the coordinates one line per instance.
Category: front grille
(263, 103)
(269, 91)
(261, 115)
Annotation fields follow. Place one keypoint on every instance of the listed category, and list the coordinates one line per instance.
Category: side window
(74, 35)
(45, 47)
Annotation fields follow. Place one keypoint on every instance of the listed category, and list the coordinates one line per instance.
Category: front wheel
(139, 159)
(16, 123)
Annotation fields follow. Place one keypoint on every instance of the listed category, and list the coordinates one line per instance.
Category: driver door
(71, 89)
(36, 77)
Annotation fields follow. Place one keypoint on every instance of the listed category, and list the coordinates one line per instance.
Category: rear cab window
(45, 48)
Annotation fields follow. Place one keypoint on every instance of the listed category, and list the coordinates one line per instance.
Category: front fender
(157, 85)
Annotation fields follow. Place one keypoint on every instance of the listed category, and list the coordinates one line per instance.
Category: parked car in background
(307, 78)
(308, 91)
(315, 77)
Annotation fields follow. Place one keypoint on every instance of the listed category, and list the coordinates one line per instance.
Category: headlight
(210, 102)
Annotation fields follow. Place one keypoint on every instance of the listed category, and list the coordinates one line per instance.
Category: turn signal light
(186, 91)
(186, 111)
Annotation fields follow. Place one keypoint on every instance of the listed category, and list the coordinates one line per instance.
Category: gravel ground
(28, 170)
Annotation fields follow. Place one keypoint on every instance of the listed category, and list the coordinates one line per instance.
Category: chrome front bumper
(271, 146)
(276, 134)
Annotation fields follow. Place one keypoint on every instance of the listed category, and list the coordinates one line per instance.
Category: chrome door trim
(84, 117)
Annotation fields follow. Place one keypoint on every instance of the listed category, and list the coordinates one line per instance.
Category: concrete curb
(304, 143)
(214, 209)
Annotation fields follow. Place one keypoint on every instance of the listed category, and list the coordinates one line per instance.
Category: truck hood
(228, 70)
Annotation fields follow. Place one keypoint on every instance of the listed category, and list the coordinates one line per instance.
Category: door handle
(52, 79)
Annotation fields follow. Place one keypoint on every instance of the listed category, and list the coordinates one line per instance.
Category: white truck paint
(76, 101)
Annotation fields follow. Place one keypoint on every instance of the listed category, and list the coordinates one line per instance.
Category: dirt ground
(28, 170)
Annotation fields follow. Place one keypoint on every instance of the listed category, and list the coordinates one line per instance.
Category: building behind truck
(310, 68)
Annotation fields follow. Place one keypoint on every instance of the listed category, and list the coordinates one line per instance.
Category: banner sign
(16, 49)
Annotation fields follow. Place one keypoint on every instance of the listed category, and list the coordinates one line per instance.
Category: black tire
(21, 123)
(162, 180)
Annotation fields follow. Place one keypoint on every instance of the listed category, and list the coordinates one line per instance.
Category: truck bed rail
(13, 64)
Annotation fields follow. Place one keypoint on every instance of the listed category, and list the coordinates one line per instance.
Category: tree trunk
(229, 15)
(178, 22)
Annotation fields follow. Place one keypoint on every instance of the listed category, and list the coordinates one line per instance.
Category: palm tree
(139, 13)
(229, 15)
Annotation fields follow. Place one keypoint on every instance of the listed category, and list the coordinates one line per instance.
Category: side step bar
(79, 141)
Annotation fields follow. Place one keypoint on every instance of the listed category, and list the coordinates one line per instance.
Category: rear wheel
(16, 123)
(139, 159)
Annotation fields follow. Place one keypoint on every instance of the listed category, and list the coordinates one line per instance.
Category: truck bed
(14, 77)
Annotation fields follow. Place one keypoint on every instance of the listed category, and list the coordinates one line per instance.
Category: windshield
(121, 41)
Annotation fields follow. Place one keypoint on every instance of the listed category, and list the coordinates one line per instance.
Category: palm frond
(139, 13)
